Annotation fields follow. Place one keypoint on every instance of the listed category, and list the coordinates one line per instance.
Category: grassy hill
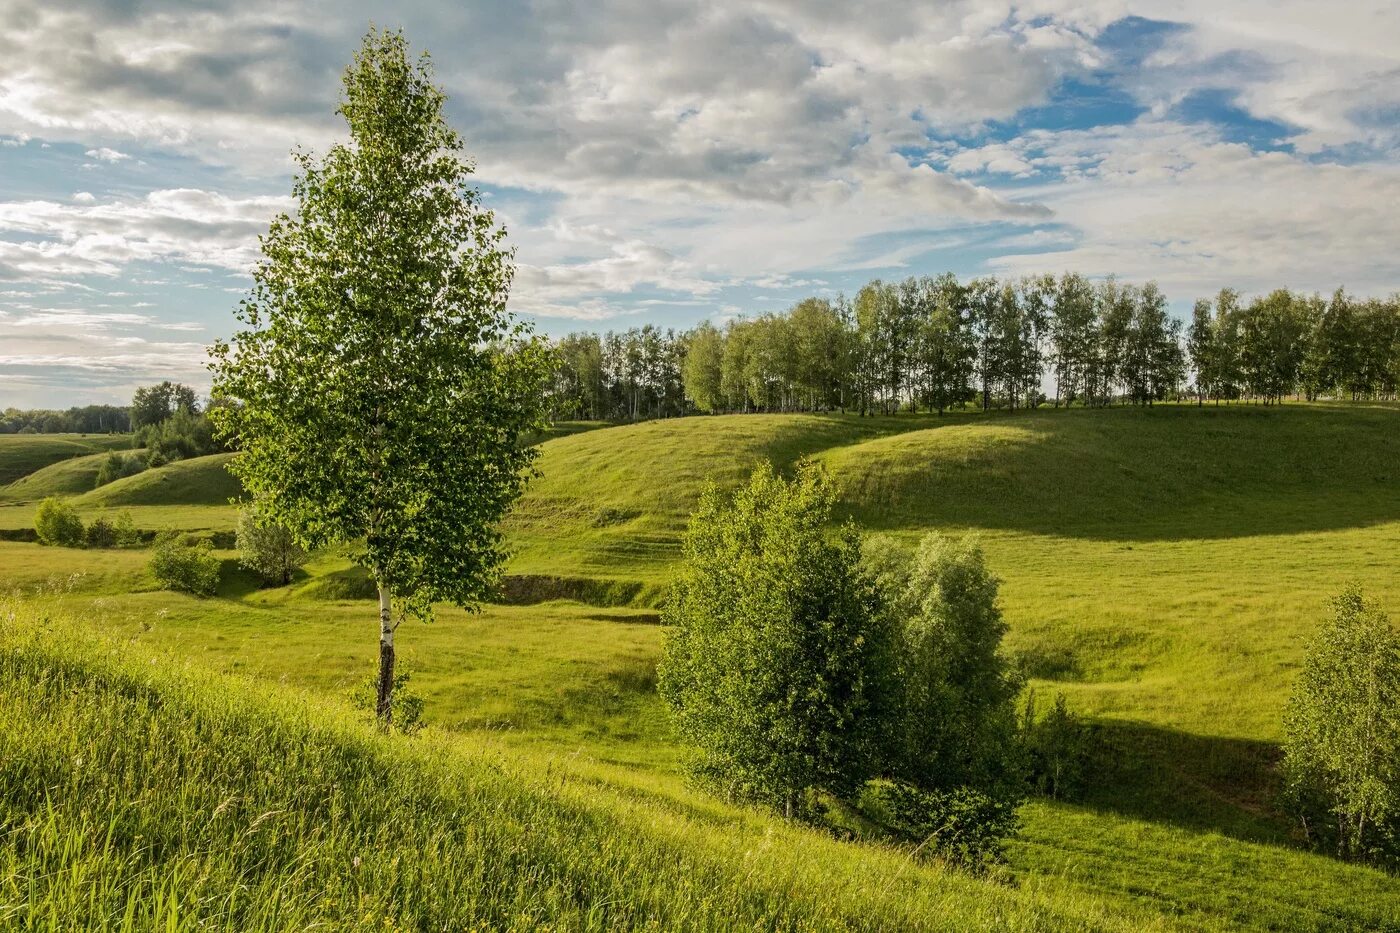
(22, 454)
(198, 481)
(72, 477)
(1161, 568)
(266, 810)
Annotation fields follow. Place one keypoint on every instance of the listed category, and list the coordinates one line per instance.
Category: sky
(671, 161)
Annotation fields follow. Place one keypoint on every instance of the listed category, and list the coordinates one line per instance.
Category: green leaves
(773, 669)
(1342, 753)
(379, 390)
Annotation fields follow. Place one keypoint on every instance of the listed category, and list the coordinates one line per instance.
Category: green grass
(72, 477)
(1162, 568)
(199, 481)
(22, 454)
(139, 795)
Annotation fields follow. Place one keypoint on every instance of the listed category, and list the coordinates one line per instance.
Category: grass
(174, 800)
(1161, 568)
(22, 454)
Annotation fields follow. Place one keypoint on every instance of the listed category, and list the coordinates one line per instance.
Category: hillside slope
(147, 796)
(198, 481)
(614, 501)
(22, 454)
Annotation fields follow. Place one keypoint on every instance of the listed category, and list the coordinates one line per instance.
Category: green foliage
(962, 825)
(124, 531)
(775, 666)
(407, 716)
(182, 436)
(953, 747)
(117, 466)
(101, 533)
(1058, 747)
(56, 522)
(380, 391)
(185, 567)
(1342, 753)
(958, 723)
(267, 548)
(152, 405)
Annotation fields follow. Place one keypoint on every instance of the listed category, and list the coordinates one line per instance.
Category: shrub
(267, 548)
(1058, 748)
(954, 736)
(775, 666)
(407, 712)
(185, 568)
(1341, 761)
(124, 530)
(118, 466)
(57, 523)
(963, 825)
(101, 533)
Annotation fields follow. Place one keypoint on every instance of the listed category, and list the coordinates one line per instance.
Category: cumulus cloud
(678, 154)
(49, 239)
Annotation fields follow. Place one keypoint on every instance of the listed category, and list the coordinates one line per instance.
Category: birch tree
(379, 390)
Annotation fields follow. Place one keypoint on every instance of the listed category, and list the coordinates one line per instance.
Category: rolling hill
(22, 454)
(1161, 568)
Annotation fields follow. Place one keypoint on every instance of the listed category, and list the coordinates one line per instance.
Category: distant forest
(937, 343)
(931, 344)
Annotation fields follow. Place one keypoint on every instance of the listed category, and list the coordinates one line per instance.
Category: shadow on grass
(1204, 783)
(1170, 472)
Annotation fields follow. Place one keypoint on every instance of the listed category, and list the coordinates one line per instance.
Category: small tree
(955, 739)
(1342, 752)
(380, 393)
(775, 665)
(56, 522)
(267, 548)
(185, 568)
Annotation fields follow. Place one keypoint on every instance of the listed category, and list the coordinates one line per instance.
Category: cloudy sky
(673, 160)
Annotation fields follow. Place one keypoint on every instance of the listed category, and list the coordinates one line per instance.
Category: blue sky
(675, 161)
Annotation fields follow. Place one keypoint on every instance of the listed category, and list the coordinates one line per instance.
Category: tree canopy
(380, 390)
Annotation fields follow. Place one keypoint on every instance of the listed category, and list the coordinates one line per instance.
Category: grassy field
(1161, 568)
(22, 454)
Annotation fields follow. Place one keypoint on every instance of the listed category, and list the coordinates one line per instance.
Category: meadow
(1161, 567)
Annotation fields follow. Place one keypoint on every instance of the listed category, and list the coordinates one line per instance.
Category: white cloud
(104, 154)
(50, 239)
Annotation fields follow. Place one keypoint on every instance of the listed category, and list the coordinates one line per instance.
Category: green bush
(118, 466)
(101, 532)
(962, 825)
(407, 713)
(185, 568)
(775, 666)
(1058, 748)
(954, 737)
(124, 529)
(1341, 761)
(56, 522)
(267, 548)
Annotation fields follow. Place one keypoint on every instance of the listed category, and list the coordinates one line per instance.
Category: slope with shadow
(22, 454)
(198, 481)
(1134, 474)
(614, 502)
(72, 477)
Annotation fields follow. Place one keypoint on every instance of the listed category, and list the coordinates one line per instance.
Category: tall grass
(136, 794)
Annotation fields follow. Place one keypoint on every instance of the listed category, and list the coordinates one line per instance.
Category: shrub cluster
(58, 523)
(185, 566)
(118, 466)
(803, 666)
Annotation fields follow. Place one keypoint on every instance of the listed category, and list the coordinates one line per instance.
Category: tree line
(934, 343)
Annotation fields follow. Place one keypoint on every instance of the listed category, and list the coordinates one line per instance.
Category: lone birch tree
(379, 390)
